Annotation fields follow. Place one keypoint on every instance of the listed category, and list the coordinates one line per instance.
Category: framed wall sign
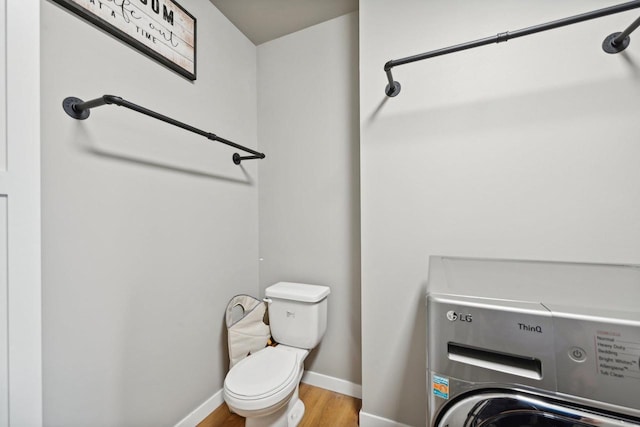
(161, 29)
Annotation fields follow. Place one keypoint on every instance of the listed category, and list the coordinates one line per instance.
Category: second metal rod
(393, 88)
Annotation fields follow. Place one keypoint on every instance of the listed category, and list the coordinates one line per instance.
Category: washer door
(520, 410)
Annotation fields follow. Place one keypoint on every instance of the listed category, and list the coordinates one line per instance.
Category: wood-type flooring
(323, 408)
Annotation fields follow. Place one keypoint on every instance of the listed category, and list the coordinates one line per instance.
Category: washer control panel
(596, 359)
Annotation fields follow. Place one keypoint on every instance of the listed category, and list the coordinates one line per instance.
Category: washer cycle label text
(618, 355)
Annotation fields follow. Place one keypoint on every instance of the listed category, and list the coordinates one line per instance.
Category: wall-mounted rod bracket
(617, 42)
(79, 109)
(614, 43)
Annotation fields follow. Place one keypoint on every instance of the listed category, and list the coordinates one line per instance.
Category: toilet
(263, 387)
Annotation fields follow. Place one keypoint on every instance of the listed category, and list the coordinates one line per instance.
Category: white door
(20, 308)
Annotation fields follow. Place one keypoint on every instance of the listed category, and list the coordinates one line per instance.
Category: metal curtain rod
(79, 109)
(614, 43)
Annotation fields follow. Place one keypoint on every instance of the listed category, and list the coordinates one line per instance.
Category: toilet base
(288, 416)
(296, 413)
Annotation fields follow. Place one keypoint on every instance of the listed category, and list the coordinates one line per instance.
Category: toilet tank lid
(297, 292)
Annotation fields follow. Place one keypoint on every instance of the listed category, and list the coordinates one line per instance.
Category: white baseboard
(202, 411)
(369, 420)
(333, 384)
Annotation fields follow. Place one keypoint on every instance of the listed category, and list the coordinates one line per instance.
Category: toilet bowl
(264, 387)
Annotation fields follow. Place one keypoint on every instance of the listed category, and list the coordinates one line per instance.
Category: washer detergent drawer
(514, 409)
(599, 361)
(492, 341)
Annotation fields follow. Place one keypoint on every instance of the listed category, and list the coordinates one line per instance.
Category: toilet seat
(263, 381)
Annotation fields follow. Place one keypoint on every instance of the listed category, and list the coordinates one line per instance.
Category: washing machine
(532, 344)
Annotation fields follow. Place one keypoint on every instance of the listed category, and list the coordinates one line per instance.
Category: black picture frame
(128, 39)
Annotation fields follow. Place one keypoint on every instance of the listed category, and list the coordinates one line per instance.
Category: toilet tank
(297, 313)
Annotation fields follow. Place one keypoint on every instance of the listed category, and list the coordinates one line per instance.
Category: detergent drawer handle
(523, 366)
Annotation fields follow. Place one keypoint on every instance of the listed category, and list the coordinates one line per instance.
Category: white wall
(148, 230)
(527, 149)
(309, 183)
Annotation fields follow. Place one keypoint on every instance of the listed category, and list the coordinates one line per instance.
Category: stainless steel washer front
(511, 409)
(510, 346)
